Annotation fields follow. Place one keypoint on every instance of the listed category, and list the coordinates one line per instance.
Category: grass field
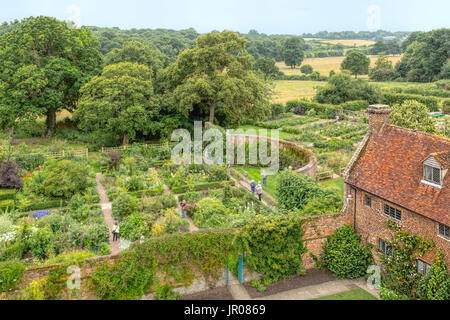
(356, 294)
(255, 174)
(325, 65)
(335, 183)
(346, 42)
(282, 135)
(286, 90)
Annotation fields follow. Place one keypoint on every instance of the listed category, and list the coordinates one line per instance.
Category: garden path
(246, 184)
(107, 213)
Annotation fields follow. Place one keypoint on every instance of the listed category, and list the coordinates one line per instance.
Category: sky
(266, 16)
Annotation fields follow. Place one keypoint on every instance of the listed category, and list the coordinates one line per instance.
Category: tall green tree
(383, 70)
(357, 63)
(119, 102)
(137, 52)
(293, 52)
(216, 74)
(43, 64)
(267, 67)
(413, 115)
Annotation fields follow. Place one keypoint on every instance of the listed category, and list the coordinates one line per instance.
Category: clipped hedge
(203, 186)
(7, 194)
(355, 105)
(391, 99)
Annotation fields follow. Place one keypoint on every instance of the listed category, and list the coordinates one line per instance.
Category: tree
(306, 69)
(383, 70)
(119, 102)
(413, 115)
(357, 63)
(43, 64)
(9, 175)
(267, 67)
(435, 285)
(137, 52)
(293, 52)
(217, 73)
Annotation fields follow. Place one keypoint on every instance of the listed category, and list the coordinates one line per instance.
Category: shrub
(41, 243)
(277, 109)
(386, 294)
(124, 205)
(166, 292)
(114, 160)
(306, 69)
(389, 98)
(435, 285)
(63, 178)
(345, 256)
(9, 177)
(10, 275)
(210, 213)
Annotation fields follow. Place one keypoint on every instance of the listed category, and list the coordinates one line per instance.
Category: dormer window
(432, 174)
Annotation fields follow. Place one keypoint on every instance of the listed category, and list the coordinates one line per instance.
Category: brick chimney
(379, 115)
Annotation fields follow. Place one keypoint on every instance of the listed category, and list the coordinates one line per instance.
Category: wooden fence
(58, 155)
(327, 175)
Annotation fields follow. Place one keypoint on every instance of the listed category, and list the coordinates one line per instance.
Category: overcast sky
(268, 16)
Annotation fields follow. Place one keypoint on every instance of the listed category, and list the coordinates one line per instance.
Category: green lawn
(335, 183)
(356, 294)
(282, 135)
(255, 174)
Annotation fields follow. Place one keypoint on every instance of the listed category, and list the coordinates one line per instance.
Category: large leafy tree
(119, 102)
(425, 56)
(267, 67)
(137, 52)
(357, 63)
(43, 64)
(293, 52)
(383, 70)
(413, 115)
(216, 74)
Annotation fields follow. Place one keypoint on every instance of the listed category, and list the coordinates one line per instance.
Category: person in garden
(183, 205)
(245, 174)
(229, 164)
(115, 231)
(253, 186)
(259, 191)
(264, 177)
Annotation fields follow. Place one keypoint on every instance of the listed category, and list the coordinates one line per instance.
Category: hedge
(138, 194)
(204, 186)
(7, 194)
(391, 99)
(52, 204)
(355, 105)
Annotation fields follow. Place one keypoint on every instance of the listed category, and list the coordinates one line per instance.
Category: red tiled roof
(391, 167)
(443, 158)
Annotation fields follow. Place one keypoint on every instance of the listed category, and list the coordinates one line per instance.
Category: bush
(114, 160)
(63, 178)
(9, 175)
(10, 275)
(277, 109)
(166, 292)
(41, 243)
(306, 69)
(386, 294)
(210, 213)
(435, 285)
(391, 99)
(345, 256)
(355, 105)
(124, 205)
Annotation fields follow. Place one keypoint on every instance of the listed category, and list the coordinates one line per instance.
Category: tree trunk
(212, 108)
(51, 122)
(125, 140)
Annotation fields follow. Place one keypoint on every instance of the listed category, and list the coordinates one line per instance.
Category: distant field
(325, 65)
(349, 42)
(286, 90)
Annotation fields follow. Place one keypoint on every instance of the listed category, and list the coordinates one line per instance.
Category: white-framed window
(432, 174)
(392, 212)
(444, 231)
(383, 247)
(422, 267)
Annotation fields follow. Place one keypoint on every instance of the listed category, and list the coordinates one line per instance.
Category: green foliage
(166, 292)
(435, 285)
(210, 213)
(413, 115)
(124, 205)
(293, 51)
(391, 99)
(119, 102)
(41, 243)
(267, 67)
(59, 178)
(357, 63)
(43, 64)
(10, 275)
(306, 69)
(399, 269)
(345, 256)
(383, 70)
(273, 245)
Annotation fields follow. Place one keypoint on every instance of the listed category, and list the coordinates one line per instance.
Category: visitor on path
(229, 164)
(246, 174)
(115, 231)
(253, 186)
(259, 191)
(183, 205)
(264, 177)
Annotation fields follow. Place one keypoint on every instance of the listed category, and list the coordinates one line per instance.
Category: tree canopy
(216, 74)
(293, 51)
(120, 102)
(413, 115)
(43, 64)
(357, 63)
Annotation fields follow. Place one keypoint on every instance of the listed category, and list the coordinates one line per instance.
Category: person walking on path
(246, 174)
(253, 187)
(115, 231)
(264, 177)
(183, 205)
(259, 191)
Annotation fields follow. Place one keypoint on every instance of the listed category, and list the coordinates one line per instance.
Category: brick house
(401, 175)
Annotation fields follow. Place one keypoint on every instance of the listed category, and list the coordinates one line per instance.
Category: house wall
(370, 223)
